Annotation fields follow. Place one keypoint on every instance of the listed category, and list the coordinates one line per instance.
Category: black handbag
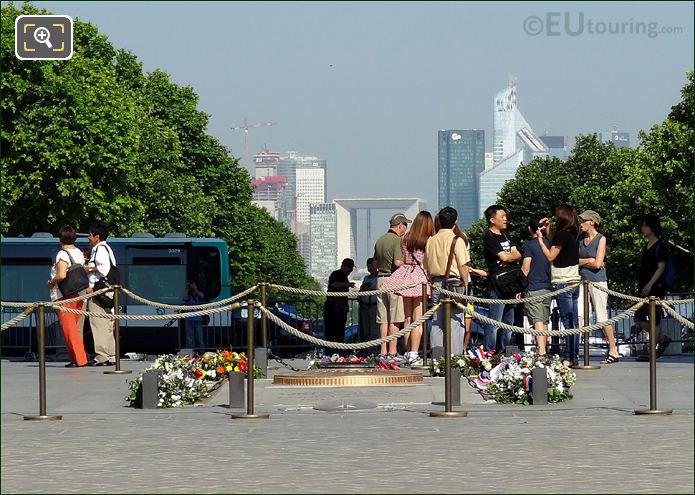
(454, 284)
(75, 280)
(510, 281)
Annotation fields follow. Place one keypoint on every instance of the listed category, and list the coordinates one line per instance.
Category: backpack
(76, 279)
(112, 278)
(669, 274)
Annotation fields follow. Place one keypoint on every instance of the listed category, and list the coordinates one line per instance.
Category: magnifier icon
(43, 35)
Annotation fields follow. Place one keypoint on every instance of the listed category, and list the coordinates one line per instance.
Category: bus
(156, 268)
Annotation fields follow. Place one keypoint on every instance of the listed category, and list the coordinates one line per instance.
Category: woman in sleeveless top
(412, 272)
(592, 267)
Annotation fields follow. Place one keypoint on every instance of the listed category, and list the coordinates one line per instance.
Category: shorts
(469, 306)
(389, 307)
(599, 301)
(537, 311)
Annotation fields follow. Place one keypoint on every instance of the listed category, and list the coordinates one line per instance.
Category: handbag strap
(451, 257)
(72, 261)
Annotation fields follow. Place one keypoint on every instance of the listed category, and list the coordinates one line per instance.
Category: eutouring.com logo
(577, 24)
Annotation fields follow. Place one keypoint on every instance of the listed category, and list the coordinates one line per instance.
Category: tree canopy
(96, 138)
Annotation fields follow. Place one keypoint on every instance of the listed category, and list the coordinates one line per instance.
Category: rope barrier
(480, 300)
(342, 345)
(674, 313)
(10, 304)
(556, 333)
(619, 295)
(18, 318)
(350, 295)
(676, 302)
(186, 307)
(168, 316)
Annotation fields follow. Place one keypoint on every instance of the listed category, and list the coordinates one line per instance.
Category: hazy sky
(368, 85)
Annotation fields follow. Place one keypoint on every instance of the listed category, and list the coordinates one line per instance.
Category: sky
(366, 86)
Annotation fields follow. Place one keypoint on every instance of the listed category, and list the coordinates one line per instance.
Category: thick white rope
(17, 318)
(213, 304)
(677, 316)
(480, 300)
(349, 295)
(168, 316)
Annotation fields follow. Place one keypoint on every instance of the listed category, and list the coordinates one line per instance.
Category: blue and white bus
(156, 268)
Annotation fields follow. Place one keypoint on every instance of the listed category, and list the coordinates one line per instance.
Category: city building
(269, 193)
(266, 163)
(558, 146)
(513, 143)
(348, 244)
(489, 160)
(310, 188)
(619, 139)
(322, 240)
(287, 167)
(461, 160)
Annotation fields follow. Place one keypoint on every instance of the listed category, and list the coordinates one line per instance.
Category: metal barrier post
(448, 410)
(652, 363)
(42, 368)
(117, 334)
(250, 307)
(424, 325)
(586, 365)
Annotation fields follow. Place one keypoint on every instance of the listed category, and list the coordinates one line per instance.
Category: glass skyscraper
(323, 240)
(461, 160)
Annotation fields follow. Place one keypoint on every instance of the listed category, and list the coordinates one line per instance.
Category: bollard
(424, 325)
(250, 306)
(117, 335)
(41, 324)
(236, 389)
(264, 325)
(260, 358)
(448, 410)
(149, 390)
(510, 350)
(652, 363)
(539, 386)
(586, 365)
(455, 387)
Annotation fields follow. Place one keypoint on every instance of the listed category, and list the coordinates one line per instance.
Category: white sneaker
(416, 362)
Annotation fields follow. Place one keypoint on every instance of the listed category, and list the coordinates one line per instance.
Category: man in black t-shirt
(651, 280)
(499, 253)
(335, 309)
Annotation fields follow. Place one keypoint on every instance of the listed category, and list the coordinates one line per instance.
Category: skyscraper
(619, 139)
(287, 167)
(513, 142)
(461, 160)
(322, 240)
(558, 146)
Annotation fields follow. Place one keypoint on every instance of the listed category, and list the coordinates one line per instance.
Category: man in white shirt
(99, 264)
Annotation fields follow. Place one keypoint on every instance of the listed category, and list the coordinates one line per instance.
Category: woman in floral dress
(412, 272)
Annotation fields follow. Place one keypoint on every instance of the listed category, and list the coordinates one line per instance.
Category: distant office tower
(461, 160)
(489, 160)
(513, 142)
(287, 167)
(322, 240)
(558, 146)
(311, 189)
(268, 193)
(266, 163)
(619, 139)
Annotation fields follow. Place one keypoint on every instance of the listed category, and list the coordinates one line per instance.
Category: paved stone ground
(591, 444)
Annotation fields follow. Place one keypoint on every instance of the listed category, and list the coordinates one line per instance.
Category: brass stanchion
(250, 307)
(264, 321)
(424, 325)
(586, 365)
(652, 363)
(117, 334)
(448, 411)
(41, 324)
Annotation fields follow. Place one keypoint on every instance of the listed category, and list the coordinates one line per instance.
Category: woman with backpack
(68, 256)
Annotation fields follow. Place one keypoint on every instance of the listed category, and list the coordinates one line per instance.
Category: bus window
(25, 279)
(207, 271)
(160, 279)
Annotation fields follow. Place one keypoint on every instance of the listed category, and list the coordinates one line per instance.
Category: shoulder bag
(76, 278)
(453, 284)
(510, 280)
(111, 278)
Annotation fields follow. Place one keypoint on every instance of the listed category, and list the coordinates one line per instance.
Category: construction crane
(246, 128)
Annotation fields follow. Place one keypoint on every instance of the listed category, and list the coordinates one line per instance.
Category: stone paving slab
(591, 444)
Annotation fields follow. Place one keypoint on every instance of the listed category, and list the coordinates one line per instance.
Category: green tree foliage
(96, 138)
(622, 185)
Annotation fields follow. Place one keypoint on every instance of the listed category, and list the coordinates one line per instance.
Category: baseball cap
(398, 219)
(590, 215)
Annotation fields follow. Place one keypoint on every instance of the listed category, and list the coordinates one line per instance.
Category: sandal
(610, 359)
